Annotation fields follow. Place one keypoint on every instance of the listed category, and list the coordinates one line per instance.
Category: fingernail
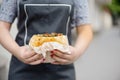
(44, 59)
(52, 51)
(52, 55)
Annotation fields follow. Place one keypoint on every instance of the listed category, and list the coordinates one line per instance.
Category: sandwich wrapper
(48, 46)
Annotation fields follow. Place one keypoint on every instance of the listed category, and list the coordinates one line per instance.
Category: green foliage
(116, 2)
(115, 6)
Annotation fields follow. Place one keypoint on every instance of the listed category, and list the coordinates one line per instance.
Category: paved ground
(102, 59)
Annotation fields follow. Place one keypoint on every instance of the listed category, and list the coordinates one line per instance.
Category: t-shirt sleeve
(8, 10)
(81, 13)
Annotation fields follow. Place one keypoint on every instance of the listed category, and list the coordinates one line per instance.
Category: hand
(28, 56)
(65, 58)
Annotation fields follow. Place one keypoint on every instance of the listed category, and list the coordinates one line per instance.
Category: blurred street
(102, 59)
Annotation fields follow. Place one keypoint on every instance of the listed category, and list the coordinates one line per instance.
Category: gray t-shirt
(8, 12)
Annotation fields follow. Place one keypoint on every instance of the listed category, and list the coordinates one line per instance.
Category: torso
(39, 16)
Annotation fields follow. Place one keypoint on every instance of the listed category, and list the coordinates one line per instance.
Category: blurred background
(101, 61)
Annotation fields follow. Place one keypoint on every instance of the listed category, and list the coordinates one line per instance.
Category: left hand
(63, 58)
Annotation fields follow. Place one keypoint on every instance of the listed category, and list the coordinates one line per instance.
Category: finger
(30, 51)
(60, 60)
(29, 54)
(56, 63)
(71, 50)
(37, 62)
(60, 54)
(34, 58)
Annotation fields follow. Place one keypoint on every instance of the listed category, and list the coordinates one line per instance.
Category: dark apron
(37, 17)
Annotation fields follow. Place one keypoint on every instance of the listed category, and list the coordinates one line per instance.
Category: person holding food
(44, 26)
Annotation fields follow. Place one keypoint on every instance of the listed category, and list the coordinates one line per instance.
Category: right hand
(28, 56)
